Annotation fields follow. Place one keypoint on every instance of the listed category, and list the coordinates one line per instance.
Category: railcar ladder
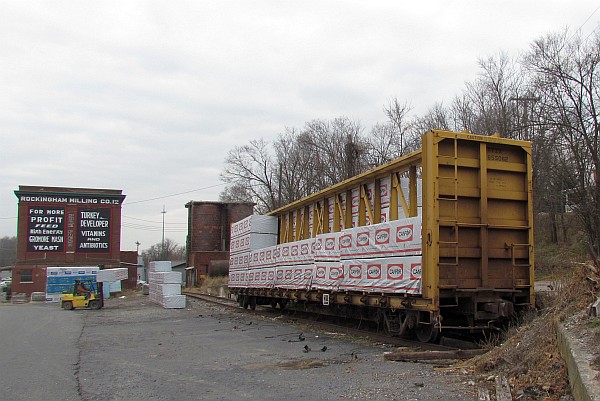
(452, 220)
(513, 258)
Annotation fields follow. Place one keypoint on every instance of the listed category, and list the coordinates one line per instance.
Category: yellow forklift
(86, 293)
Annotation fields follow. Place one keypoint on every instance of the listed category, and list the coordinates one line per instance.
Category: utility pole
(163, 233)
(138, 243)
(526, 100)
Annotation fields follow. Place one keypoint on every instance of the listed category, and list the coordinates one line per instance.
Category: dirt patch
(529, 358)
(301, 364)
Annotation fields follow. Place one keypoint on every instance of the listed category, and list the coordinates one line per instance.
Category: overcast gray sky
(148, 96)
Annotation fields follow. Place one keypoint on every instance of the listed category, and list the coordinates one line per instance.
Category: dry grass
(213, 282)
(530, 358)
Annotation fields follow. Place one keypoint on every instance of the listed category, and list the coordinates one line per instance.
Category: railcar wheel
(273, 304)
(252, 303)
(427, 333)
(245, 301)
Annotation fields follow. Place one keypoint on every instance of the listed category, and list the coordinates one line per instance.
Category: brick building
(208, 234)
(66, 227)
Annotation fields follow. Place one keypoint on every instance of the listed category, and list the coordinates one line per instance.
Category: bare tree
(8, 251)
(485, 106)
(301, 162)
(565, 72)
(436, 118)
(252, 169)
(384, 144)
(337, 147)
(397, 114)
(298, 170)
(169, 250)
(236, 192)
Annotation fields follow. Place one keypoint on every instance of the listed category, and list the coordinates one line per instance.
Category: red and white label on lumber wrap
(265, 257)
(311, 217)
(294, 276)
(239, 261)
(398, 275)
(384, 191)
(327, 247)
(260, 278)
(330, 213)
(238, 278)
(393, 238)
(251, 242)
(384, 214)
(255, 224)
(297, 252)
(327, 275)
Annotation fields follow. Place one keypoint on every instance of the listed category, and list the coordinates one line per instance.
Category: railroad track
(319, 322)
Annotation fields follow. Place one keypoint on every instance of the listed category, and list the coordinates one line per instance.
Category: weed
(529, 356)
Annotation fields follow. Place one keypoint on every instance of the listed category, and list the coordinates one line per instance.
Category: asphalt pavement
(39, 352)
(136, 350)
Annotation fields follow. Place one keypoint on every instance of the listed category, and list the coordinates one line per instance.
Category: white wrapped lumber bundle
(255, 224)
(159, 266)
(294, 277)
(165, 277)
(327, 275)
(165, 289)
(394, 274)
(326, 247)
(252, 241)
(394, 238)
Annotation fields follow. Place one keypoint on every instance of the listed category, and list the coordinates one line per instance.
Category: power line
(152, 228)
(150, 221)
(172, 195)
(585, 22)
(588, 18)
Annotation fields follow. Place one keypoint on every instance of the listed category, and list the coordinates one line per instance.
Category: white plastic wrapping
(173, 301)
(394, 238)
(237, 278)
(260, 278)
(297, 252)
(255, 224)
(265, 257)
(160, 266)
(326, 247)
(239, 260)
(390, 275)
(112, 275)
(165, 277)
(327, 275)
(165, 289)
(251, 242)
(294, 277)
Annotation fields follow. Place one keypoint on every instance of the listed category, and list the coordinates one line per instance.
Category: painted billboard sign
(93, 230)
(45, 229)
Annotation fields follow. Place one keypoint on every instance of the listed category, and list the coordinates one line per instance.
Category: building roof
(68, 190)
(178, 263)
(218, 203)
